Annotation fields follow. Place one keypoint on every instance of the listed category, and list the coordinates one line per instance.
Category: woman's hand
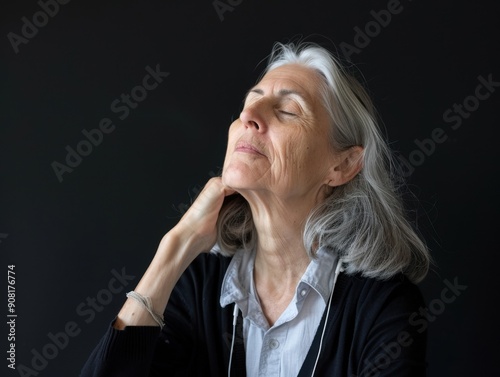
(198, 226)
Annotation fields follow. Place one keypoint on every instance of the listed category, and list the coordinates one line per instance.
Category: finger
(229, 191)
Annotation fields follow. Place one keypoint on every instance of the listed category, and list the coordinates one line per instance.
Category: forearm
(175, 252)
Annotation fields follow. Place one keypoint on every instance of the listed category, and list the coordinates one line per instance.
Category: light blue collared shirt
(279, 350)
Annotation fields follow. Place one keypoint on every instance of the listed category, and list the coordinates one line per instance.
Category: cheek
(301, 156)
(291, 156)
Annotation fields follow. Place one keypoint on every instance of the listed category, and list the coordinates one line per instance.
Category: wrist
(178, 248)
(190, 240)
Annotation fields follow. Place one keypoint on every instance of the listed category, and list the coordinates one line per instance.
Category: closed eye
(287, 113)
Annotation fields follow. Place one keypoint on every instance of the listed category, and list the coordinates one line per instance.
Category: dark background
(110, 212)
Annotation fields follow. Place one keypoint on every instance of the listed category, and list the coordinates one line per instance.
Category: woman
(313, 264)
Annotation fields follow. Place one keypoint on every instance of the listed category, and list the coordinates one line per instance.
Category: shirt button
(274, 344)
(303, 292)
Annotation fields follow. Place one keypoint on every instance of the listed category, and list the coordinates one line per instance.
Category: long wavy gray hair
(364, 220)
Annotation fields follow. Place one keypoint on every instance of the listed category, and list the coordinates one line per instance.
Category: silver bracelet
(146, 302)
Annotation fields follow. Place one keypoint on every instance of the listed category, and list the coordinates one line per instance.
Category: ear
(346, 166)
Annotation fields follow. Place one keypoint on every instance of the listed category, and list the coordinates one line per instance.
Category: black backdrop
(432, 68)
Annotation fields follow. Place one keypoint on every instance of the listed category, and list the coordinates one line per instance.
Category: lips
(248, 147)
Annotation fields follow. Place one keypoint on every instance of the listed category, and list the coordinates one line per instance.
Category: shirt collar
(320, 273)
(237, 282)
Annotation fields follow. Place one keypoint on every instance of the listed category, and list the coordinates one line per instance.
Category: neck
(280, 262)
(281, 258)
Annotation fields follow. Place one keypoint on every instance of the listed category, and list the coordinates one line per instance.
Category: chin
(238, 179)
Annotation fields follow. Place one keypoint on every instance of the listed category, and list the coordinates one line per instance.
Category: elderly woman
(313, 262)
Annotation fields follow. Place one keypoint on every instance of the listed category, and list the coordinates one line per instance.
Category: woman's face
(280, 143)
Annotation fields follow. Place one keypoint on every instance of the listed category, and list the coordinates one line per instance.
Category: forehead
(294, 77)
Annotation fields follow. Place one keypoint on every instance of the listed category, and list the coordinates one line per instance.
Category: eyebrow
(282, 93)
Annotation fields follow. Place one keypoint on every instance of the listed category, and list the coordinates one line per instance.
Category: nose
(253, 117)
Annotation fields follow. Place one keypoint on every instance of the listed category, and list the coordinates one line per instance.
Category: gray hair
(364, 220)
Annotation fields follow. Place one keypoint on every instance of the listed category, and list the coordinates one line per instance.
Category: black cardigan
(371, 331)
